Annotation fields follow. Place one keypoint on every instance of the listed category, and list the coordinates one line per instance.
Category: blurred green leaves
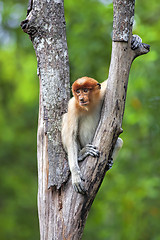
(83, 30)
(127, 206)
(18, 120)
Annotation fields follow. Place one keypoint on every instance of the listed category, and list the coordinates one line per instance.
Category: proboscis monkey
(80, 122)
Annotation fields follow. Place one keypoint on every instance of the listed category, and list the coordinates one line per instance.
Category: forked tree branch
(63, 212)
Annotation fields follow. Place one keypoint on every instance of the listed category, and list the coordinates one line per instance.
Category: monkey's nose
(81, 99)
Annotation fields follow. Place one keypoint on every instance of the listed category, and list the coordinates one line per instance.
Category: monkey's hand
(88, 150)
(77, 181)
(136, 42)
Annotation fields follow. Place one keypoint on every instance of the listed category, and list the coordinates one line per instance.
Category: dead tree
(63, 212)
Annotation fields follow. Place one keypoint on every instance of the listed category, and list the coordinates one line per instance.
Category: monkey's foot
(109, 164)
(136, 42)
(89, 149)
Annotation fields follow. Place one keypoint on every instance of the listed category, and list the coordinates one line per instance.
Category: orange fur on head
(86, 92)
(84, 82)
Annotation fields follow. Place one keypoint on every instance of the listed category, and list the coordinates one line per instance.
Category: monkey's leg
(86, 151)
(117, 148)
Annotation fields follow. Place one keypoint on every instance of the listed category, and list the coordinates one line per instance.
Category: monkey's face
(83, 96)
(85, 91)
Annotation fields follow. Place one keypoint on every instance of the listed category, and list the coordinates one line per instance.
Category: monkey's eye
(77, 91)
(85, 90)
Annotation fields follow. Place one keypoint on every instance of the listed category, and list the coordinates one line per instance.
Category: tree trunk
(63, 212)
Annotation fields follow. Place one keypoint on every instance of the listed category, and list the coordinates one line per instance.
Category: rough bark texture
(63, 212)
(122, 19)
(45, 24)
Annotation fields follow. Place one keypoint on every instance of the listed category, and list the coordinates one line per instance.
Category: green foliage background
(127, 206)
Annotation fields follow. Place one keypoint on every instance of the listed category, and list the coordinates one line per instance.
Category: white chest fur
(87, 127)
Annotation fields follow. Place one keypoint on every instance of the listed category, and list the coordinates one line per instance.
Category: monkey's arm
(74, 168)
(103, 89)
(69, 139)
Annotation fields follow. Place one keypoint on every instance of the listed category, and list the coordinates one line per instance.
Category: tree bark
(45, 24)
(63, 212)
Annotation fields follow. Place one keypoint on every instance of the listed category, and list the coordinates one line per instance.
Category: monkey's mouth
(84, 103)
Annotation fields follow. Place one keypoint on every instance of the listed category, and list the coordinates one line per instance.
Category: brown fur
(84, 82)
(91, 97)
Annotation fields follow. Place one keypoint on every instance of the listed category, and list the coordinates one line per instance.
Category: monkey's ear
(99, 85)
